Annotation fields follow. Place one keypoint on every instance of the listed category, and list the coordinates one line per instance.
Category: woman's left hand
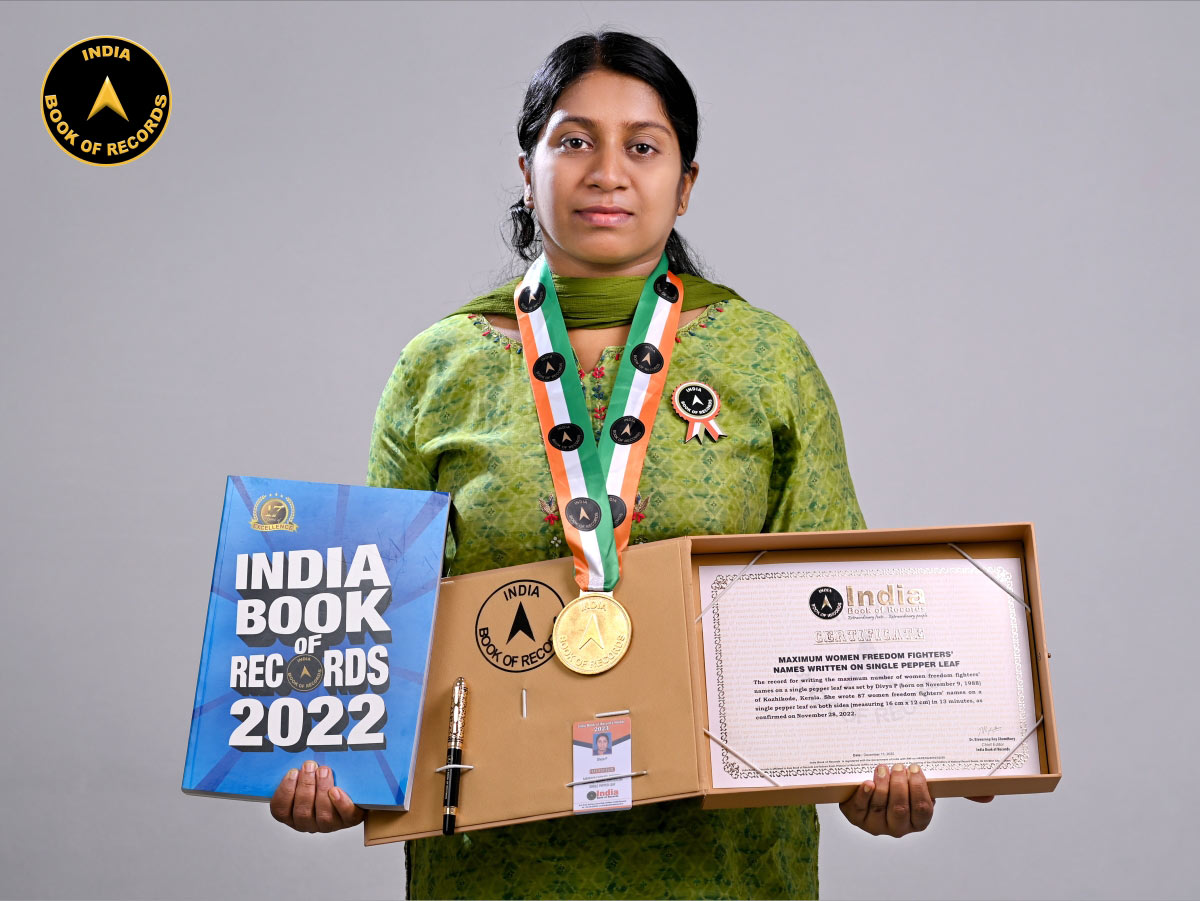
(894, 803)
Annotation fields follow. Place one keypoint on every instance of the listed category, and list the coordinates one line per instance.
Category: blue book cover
(320, 621)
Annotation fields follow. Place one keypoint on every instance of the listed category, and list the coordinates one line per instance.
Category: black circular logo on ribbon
(617, 506)
(549, 366)
(627, 430)
(529, 301)
(666, 289)
(583, 513)
(566, 436)
(826, 602)
(646, 358)
(106, 100)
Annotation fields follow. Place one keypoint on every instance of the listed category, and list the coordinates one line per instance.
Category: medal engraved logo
(591, 632)
(583, 513)
(514, 625)
(646, 358)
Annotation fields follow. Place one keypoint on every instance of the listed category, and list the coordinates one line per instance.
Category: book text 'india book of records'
(316, 647)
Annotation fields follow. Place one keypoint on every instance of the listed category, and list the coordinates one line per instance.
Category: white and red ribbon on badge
(699, 404)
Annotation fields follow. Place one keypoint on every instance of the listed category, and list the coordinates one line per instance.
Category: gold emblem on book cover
(273, 512)
(304, 672)
(592, 633)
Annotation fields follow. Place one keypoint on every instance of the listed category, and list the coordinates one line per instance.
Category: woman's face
(625, 154)
(602, 743)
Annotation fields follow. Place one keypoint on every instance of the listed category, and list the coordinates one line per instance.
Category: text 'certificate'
(816, 672)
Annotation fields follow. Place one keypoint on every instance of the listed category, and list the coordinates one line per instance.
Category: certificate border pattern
(736, 770)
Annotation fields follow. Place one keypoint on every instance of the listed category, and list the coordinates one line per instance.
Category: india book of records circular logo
(592, 633)
(647, 358)
(549, 366)
(106, 100)
(617, 506)
(514, 626)
(566, 436)
(583, 513)
(531, 298)
(304, 672)
(826, 602)
(694, 400)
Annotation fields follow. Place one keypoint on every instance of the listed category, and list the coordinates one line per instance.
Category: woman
(608, 134)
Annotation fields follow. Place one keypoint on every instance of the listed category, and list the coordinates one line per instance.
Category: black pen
(458, 710)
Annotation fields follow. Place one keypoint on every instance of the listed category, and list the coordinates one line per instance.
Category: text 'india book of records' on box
(317, 643)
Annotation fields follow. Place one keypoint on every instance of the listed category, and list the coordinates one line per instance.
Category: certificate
(817, 672)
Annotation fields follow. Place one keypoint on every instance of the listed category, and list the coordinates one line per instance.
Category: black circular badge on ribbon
(583, 513)
(617, 506)
(666, 289)
(529, 301)
(646, 358)
(106, 100)
(627, 430)
(566, 436)
(826, 602)
(549, 366)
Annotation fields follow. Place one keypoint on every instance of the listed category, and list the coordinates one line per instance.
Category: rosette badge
(698, 404)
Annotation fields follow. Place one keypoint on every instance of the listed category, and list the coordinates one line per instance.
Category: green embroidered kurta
(457, 415)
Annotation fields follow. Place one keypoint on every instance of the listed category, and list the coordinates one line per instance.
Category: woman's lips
(604, 218)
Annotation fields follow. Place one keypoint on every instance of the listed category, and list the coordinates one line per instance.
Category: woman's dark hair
(626, 54)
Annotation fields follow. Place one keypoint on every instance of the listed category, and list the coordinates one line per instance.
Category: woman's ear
(686, 182)
(522, 161)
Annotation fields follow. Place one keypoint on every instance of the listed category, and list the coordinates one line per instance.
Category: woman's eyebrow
(629, 126)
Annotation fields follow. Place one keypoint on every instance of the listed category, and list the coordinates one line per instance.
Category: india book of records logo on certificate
(817, 672)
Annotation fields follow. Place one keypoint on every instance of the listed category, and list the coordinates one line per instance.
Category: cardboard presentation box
(521, 707)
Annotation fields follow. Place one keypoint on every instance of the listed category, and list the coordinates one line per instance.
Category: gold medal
(592, 633)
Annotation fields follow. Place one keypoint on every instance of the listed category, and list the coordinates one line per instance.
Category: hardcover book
(317, 643)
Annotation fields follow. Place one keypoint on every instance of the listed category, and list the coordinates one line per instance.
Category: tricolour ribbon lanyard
(596, 485)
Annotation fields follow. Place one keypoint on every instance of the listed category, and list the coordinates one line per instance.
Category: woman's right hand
(307, 800)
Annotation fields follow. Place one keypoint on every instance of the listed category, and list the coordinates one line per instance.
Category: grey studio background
(981, 217)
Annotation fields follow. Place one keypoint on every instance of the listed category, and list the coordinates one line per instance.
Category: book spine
(189, 774)
(437, 584)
